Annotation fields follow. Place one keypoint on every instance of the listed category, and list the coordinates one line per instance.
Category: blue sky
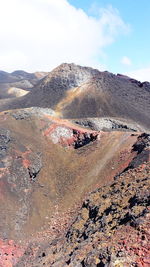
(113, 35)
(136, 44)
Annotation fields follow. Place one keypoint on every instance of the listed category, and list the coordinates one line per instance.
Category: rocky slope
(112, 226)
(108, 124)
(74, 169)
(80, 92)
(47, 167)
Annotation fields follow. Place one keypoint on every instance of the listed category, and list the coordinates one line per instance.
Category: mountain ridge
(82, 92)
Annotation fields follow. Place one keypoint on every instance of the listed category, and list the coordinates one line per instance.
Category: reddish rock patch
(70, 137)
(10, 253)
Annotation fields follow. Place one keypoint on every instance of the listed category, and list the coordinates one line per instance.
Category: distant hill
(18, 79)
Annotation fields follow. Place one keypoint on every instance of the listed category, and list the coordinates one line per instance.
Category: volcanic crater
(74, 169)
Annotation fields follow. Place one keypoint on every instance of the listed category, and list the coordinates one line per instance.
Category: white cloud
(140, 74)
(41, 34)
(126, 61)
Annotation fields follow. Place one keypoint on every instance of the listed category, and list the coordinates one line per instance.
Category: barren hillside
(74, 169)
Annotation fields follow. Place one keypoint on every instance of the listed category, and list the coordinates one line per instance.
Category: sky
(113, 35)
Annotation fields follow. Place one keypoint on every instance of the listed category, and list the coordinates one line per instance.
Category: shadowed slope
(107, 95)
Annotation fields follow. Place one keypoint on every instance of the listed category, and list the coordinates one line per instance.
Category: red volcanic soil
(10, 253)
(69, 135)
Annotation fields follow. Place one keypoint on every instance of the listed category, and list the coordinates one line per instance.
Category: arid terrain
(74, 169)
(80, 92)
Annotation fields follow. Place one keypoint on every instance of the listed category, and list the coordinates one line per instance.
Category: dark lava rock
(21, 115)
(4, 138)
(105, 124)
(19, 167)
(36, 165)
